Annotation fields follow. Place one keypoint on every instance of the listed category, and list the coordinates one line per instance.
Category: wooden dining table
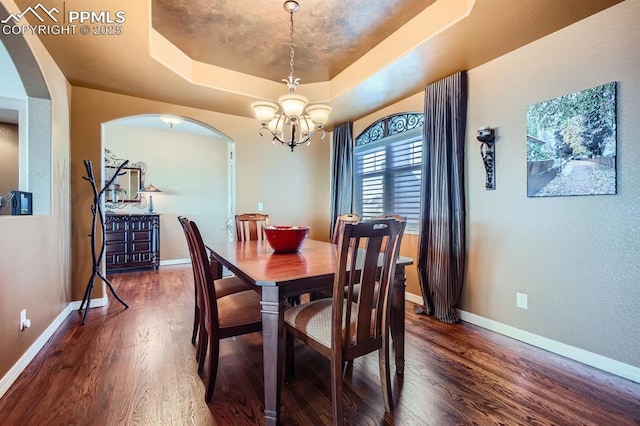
(279, 276)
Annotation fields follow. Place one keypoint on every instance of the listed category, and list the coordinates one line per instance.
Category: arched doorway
(190, 162)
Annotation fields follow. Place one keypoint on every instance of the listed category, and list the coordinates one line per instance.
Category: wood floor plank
(137, 367)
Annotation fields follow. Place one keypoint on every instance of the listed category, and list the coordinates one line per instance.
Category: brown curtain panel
(442, 242)
(342, 172)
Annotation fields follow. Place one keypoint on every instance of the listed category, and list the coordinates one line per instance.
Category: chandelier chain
(291, 46)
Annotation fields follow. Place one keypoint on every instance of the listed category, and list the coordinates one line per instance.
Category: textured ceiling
(252, 37)
(232, 53)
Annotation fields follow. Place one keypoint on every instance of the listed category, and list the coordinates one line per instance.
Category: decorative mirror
(126, 187)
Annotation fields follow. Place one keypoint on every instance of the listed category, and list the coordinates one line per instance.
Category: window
(387, 169)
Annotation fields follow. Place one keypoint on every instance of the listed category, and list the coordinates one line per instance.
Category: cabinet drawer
(140, 236)
(138, 247)
(116, 247)
(114, 237)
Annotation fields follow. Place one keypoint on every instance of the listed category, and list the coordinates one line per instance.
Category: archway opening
(191, 163)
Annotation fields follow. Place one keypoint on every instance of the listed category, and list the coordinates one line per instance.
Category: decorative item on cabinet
(148, 191)
(132, 242)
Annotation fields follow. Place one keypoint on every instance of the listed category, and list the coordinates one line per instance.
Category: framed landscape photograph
(571, 144)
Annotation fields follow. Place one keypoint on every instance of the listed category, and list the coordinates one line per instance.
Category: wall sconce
(486, 136)
(149, 190)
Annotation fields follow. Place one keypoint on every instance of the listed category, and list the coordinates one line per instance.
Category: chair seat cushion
(314, 319)
(230, 285)
(239, 309)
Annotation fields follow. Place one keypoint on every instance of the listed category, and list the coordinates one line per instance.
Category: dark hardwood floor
(137, 367)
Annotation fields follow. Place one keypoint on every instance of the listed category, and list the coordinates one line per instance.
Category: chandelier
(291, 122)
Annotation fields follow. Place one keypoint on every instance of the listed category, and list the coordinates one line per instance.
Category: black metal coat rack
(97, 253)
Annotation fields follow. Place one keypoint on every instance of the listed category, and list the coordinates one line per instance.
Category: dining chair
(403, 221)
(339, 225)
(341, 329)
(250, 226)
(220, 317)
(223, 287)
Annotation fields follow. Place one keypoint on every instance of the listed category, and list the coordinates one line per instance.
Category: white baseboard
(589, 358)
(95, 303)
(413, 298)
(30, 354)
(174, 262)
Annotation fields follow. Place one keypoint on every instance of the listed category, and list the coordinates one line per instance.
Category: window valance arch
(390, 125)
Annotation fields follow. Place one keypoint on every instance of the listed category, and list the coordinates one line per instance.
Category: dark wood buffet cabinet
(132, 242)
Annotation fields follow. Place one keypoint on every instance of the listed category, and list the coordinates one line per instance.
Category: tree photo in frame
(571, 144)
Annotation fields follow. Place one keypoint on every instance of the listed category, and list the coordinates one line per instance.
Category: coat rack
(97, 253)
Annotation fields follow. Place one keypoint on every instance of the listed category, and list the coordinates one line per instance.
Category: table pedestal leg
(216, 267)
(272, 351)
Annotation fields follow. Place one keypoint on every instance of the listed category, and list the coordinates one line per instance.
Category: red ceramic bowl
(286, 239)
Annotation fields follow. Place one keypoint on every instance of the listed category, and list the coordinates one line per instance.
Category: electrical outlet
(521, 300)
(260, 206)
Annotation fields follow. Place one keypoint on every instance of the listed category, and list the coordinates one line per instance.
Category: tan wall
(292, 186)
(191, 170)
(35, 250)
(575, 257)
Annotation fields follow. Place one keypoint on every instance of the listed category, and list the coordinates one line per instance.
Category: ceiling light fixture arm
(305, 137)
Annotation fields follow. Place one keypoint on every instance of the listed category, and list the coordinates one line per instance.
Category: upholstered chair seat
(314, 319)
(238, 309)
(230, 285)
